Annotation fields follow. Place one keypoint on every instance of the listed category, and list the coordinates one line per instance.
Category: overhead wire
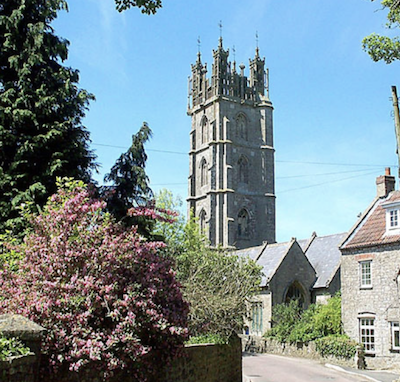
(282, 161)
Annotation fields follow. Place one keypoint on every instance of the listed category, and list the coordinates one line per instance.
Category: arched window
(243, 224)
(243, 167)
(241, 126)
(295, 292)
(203, 222)
(203, 172)
(204, 130)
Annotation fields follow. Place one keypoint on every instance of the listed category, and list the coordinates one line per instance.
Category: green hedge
(320, 323)
(337, 346)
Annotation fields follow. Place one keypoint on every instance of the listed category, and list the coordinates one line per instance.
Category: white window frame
(392, 218)
(366, 274)
(395, 334)
(257, 318)
(367, 334)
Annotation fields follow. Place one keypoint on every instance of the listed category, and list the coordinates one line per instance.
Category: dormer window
(392, 218)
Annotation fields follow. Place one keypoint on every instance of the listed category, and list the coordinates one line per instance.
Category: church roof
(324, 255)
(269, 256)
(252, 252)
(322, 252)
(370, 230)
(270, 259)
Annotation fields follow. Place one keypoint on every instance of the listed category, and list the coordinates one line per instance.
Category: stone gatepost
(17, 326)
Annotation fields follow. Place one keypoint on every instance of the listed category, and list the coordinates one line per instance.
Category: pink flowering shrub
(107, 297)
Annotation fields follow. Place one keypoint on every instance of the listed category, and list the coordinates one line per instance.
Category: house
(306, 270)
(324, 255)
(370, 277)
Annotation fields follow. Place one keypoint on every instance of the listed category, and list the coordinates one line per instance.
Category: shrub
(339, 346)
(106, 296)
(208, 339)
(284, 319)
(292, 324)
(10, 347)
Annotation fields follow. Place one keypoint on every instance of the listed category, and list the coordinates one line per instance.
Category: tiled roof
(252, 252)
(371, 229)
(324, 256)
(268, 256)
(271, 258)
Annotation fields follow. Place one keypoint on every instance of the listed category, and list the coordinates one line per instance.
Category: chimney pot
(385, 184)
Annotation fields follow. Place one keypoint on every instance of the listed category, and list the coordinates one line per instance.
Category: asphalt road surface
(272, 368)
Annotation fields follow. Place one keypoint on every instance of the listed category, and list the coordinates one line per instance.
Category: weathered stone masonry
(231, 167)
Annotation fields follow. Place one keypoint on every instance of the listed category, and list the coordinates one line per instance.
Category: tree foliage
(292, 324)
(383, 47)
(146, 6)
(107, 297)
(41, 109)
(215, 283)
(129, 183)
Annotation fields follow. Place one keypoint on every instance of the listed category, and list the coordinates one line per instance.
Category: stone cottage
(306, 270)
(370, 277)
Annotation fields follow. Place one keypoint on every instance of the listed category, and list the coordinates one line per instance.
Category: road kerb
(338, 368)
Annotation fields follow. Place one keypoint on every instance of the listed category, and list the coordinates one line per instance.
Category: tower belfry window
(204, 130)
(203, 222)
(203, 172)
(241, 126)
(243, 166)
(243, 224)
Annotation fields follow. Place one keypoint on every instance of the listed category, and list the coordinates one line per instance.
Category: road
(272, 368)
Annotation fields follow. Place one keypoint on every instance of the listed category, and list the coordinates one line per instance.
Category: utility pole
(396, 121)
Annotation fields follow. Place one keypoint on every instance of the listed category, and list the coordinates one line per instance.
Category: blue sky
(333, 124)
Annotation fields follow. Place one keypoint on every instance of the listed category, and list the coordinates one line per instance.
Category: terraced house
(370, 272)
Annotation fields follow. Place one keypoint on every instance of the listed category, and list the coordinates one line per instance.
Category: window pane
(367, 334)
(365, 273)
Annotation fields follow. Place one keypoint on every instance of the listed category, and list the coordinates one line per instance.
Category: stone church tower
(231, 181)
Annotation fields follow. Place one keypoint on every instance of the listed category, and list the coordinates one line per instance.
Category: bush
(208, 339)
(292, 324)
(107, 297)
(337, 346)
(284, 319)
(10, 347)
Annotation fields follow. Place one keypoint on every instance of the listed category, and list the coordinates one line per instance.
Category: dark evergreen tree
(41, 109)
(129, 183)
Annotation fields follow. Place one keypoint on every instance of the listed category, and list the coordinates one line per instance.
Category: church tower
(231, 168)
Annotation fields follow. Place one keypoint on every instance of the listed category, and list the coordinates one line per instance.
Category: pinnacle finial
(220, 33)
(257, 49)
(198, 49)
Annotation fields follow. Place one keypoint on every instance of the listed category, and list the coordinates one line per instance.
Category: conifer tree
(41, 109)
(130, 183)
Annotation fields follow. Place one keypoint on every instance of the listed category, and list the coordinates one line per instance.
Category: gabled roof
(370, 230)
(252, 252)
(269, 256)
(324, 255)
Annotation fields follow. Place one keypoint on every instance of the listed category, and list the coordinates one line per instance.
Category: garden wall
(197, 363)
(207, 363)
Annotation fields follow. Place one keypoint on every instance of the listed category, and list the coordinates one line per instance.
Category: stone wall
(207, 363)
(198, 363)
(301, 350)
(18, 369)
(379, 301)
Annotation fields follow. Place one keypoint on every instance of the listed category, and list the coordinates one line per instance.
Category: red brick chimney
(385, 184)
